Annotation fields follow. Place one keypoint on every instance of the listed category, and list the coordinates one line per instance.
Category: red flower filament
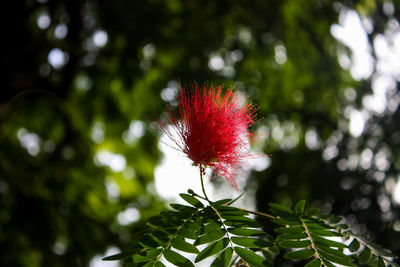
(212, 129)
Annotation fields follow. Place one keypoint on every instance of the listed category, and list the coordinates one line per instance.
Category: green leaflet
(293, 236)
(251, 257)
(365, 256)
(225, 208)
(313, 211)
(246, 232)
(154, 264)
(295, 244)
(119, 256)
(334, 252)
(238, 218)
(147, 255)
(237, 212)
(250, 242)
(315, 225)
(183, 208)
(192, 200)
(299, 208)
(186, 233)
(290, 230)
(176, 258)
(184, 246)
(161, 221)
(354, 245)
(279, 208)
(287, 221)
(335, 258)
(206, 228)
(212, 249)
(236, 199)
(323, 232)
(209, 237)
(223, 259)
(299, 254)
(249, 224)
(381, 263)
(221, 202)
(327, 242)
(313, 263)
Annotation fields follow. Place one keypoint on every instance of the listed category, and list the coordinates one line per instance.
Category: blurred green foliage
(86, 79)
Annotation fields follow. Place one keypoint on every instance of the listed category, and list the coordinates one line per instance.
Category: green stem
(202, 182)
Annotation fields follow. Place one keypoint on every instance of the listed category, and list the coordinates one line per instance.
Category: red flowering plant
(212, 129)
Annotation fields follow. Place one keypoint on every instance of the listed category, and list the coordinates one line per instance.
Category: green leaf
(365, 256)
(192, 200)
(279, 207)
(153, 264)
(206, 228)
(246, 232)
(250, 224)
(354, 245)
(186, 233)
(334, 252)
(119, 256)
(378, 249)
(313, 263)
(381, 263)
(335, 258)
(212, 249)
(313, 211)
(299, 254)
(184, 246)
(183, 208)
(299, 208)
(175, 215)
(281, 221)
(161, 221)
(251, 257)
(295, 244)
(150, 241)
(176, 258)
(236, 212)
(223, 259)
(250, 242)
(227, 209)
(323, 232)
(146, 255)
(327, 242)
(221, 202)
(293, 236)
(209, 237)
(333, 219)
(238, 218)
(193, 226)
(314, 225)
(237, 198)
(290, 230)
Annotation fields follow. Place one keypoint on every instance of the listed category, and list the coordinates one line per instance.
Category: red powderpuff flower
(212, 128)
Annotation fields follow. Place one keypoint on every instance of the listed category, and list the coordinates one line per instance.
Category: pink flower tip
(212, 128)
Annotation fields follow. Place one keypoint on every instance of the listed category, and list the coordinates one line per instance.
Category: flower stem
(202, 182)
